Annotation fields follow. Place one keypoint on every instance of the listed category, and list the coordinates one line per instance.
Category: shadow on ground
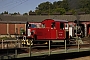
(59, 56)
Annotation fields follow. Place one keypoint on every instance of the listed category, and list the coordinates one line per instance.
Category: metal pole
(2, 43)
(30, 48)
(49, 48)
(85, 30)
(65, 47)
(78, 45)
(16, 50)
(7, 49)
(49, 9)
(77, 41)
(76, 33)
(20, 43)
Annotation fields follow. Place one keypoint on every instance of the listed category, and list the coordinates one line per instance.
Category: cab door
(60, 26)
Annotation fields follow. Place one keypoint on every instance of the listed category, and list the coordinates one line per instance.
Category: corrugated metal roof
(20, 22)
(60, 20)
(40, 18)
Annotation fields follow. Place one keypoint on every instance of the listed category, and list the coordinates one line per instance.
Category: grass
(7, 38)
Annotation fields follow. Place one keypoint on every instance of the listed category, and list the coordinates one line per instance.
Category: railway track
(55, 47)
(35, 51)
(40, 50)
(40, 47)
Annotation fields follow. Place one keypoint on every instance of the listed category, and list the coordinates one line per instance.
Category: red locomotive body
(50, 29)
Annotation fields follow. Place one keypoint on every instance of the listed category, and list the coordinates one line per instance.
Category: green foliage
(5, 12)
(7, 38)
(44, 7)
(25, 14)
(60, 10)
(59, 7)
(72, 11)
(84, 5)
(63, 6)
(86, 10)
(22, 31)
(4, 38)
(55, 7)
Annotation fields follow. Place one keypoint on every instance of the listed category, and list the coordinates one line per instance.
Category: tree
(72, 11)
(38, 12)
(65, 5)
(5, 12)
(18, 13)
(2, 13)
(60, 10)
(84, 5)
(55, 7)
(25, 14)
(44, 7)
(57, 4)
(15, 13)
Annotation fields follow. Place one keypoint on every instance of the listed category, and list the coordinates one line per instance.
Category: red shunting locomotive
(48, 29)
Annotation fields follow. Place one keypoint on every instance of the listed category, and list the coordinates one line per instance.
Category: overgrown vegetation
(7, 38)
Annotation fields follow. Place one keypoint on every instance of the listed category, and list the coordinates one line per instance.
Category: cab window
(33, 26)
(43, 25)
(53, 25)
(61, 25)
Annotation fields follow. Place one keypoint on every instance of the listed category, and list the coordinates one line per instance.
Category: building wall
(3, 28)
(19, 27)
(11, 29)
